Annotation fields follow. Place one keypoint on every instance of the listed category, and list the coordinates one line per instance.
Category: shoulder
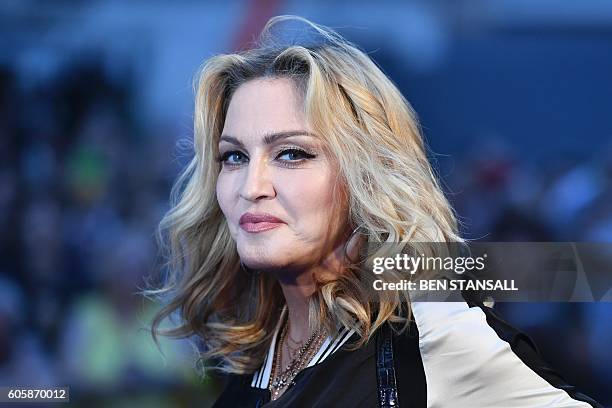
(471, 355)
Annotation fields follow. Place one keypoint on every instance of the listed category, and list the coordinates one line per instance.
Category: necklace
(293, 346)
(282, 379)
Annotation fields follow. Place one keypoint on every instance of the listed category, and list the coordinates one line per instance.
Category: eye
(232, 158)
(294, 155)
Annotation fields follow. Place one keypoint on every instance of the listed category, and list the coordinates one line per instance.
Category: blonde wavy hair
(394, 198)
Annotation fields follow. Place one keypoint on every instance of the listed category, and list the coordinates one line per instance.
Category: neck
(297, 292)
(298, 287)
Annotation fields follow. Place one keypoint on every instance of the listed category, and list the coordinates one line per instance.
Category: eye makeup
(297, 156)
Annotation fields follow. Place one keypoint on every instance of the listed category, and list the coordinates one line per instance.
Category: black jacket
(459, 354)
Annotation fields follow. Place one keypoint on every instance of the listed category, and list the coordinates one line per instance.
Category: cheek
(224, 194)
(311, 196)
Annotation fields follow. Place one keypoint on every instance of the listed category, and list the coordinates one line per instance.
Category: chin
(260, 257)
(265, 265)
(275, 250)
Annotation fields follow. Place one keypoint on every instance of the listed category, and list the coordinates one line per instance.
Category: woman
(307, 160)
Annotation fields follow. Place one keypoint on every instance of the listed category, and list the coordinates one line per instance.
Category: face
(275, 186)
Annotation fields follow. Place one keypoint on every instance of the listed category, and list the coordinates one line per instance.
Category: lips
(258, 222)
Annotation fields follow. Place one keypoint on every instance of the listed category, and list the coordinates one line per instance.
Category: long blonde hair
(393, 195)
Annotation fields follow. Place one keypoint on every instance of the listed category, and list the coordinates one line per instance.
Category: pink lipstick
(258, 222)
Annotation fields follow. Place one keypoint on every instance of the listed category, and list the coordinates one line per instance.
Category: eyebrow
(269, 138)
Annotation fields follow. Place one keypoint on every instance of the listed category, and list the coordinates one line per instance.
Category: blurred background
(515, 101)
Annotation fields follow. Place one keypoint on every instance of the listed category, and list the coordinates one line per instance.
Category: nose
(257, 184)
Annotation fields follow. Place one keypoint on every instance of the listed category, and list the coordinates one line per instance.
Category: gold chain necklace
(282, 379)
(292, 346)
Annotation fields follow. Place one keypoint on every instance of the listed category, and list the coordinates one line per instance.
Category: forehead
(264, 106)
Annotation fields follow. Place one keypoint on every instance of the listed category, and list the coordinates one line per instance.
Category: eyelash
(287, 163)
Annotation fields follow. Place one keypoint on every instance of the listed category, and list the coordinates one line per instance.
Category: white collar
(261, 377)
